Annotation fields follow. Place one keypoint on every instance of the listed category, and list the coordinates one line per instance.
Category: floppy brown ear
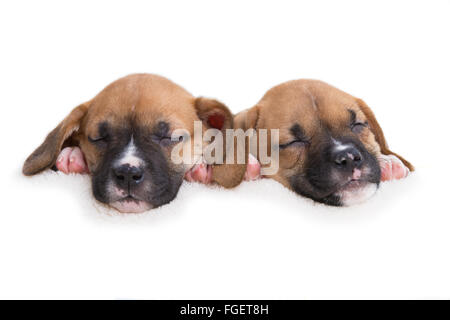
(378, 132)
(247, 119)
(215, 114)
(45, 155)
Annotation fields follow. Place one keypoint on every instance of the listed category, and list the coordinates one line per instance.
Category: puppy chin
(131, 206)
(126, 204)
(356, 192)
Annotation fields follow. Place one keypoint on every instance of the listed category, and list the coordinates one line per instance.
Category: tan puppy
(332, 148)
(122, 137)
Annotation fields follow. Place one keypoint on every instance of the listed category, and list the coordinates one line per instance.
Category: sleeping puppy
(123, 138)
(331, 147)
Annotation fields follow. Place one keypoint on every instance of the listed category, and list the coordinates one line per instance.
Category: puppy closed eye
(166, 141)
(355, 125)
(102, 136)
(358, 127)
(98, 140)
(300, 139)
(294, 143)
(162, 136)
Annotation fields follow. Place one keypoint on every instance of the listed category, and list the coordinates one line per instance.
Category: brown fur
(226, 175)
(312, 104)
(149, 99)
(379, 135)
(45, 155)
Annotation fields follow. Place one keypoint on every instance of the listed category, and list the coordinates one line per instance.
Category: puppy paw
(253, 171)
(199, 173)
(71, 160)
(392, 168)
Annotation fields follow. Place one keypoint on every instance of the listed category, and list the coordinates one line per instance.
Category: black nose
(348, 158)
(127, 175)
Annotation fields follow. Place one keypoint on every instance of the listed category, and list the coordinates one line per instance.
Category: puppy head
(329, 141)
(125, 133)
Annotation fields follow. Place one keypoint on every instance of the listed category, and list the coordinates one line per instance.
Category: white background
(260, 240)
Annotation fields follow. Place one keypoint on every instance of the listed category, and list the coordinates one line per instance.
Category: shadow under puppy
(331, 147)
(123, 139)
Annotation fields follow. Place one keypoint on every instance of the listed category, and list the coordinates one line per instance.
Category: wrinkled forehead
(315, 108)
(337, 109)
(143, 104)
(282, 107)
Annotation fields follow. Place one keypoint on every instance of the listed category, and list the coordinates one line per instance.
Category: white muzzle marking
(339, 146)
(351, 197)
(129, 156)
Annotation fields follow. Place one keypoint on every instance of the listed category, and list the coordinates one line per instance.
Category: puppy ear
(45, 155)
(378, 132)
(215, 114)
(252, 118)
(247, 119)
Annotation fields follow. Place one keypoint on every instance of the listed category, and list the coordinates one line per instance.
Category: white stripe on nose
(339, 146)
(129, 156)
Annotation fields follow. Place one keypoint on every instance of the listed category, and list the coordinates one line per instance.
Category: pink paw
(71, 160)
(199, 173)
(392, 168)
(253, 171)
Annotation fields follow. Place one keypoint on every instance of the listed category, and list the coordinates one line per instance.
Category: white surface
(260, 240)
